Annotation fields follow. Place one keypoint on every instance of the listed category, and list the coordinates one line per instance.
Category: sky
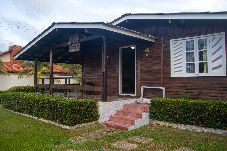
(23, 20)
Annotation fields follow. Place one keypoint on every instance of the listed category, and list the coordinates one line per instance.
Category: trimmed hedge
(0, 96)
(22, 89)
(59, 109)
(29, 89)
(204, 113)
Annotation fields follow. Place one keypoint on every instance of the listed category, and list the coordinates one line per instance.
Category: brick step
(123, 119)
(127, 117)
(117, 125)
(136, 110)
(129, 113)
(136, 107)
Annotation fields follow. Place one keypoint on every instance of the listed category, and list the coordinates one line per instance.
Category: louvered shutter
(217, 55)
(177, 50)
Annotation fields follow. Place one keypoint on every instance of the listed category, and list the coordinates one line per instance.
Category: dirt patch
(183, 149)
(124, 145)
(157, 146)
(93, 135)
(140, 139)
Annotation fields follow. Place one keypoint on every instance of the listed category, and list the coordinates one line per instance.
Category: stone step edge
(189, 127)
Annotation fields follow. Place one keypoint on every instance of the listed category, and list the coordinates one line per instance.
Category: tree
(43, 68)
(74, 70)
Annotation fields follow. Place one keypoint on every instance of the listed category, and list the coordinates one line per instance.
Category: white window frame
(196, 54)
(195, 57)
(120, 71)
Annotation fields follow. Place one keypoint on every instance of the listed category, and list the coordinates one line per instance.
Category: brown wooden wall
(93, 67)
(199, 87)
(149, 64)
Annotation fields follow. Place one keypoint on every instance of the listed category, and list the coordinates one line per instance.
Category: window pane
(190, 45)
(203, 55)
(190, 57)
(203, 67)
(190, 68)
(202, 44)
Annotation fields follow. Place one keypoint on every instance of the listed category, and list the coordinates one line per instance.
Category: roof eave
(161, 16)
(87, 26)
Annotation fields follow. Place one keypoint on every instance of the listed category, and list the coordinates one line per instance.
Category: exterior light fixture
(147, 50)
(132, 47)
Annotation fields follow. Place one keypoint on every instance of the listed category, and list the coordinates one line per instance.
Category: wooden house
(150, 55)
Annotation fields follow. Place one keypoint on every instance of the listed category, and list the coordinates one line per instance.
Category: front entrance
(127, 70)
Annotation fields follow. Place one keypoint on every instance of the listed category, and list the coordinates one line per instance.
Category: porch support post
(104, 72)
(83, 79)
(51, 72)
(35, 75)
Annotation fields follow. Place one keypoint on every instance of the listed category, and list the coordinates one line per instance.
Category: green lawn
(18, 133)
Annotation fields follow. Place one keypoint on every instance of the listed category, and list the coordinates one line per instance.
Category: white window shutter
(217, 55)
(177, 50)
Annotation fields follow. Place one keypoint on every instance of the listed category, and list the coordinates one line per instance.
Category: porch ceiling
(57, 35)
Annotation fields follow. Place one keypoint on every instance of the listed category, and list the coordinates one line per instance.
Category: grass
(18, 133)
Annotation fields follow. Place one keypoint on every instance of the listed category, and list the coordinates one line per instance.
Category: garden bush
(0, 96)
(59, 109)
(204, 113)
(22, 89)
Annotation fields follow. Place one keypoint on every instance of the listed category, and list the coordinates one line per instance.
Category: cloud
(22, 20)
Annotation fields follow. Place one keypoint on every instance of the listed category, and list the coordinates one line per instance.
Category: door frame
(120, 71)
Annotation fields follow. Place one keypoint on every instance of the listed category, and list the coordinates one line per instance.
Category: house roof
(12, 67)
(4, 52)
(14, 49)
(180, 15)
(17, 67)
(99, 27)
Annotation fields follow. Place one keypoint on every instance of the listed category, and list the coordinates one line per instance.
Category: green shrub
(22, 89)
(54, 108)
(0, 96)
(205, 113)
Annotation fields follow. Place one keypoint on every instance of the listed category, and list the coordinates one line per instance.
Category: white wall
(8, 81)
(5, 57)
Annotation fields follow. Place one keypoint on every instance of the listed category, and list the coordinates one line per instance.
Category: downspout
(162, 74)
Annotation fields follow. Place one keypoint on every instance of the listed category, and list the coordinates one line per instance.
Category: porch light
(132, 47)
(74, 43)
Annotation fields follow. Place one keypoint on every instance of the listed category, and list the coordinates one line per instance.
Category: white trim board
(87, 26)
(170, 16)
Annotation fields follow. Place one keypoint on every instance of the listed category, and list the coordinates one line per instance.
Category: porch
(93, 45)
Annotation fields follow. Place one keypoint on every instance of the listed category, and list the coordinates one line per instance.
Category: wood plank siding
(150, 73)
(149, 64)
(93, 64)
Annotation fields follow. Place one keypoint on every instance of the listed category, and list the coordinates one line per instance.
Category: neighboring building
(181, 53)
(12, 68)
